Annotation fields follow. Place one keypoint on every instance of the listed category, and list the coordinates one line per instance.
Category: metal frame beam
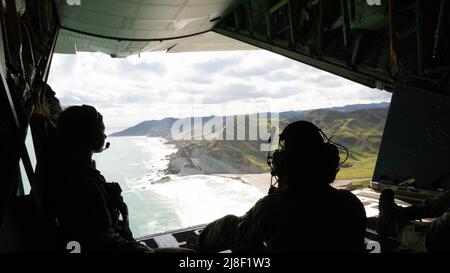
(20, 129)
(346, 31)
(392, 33)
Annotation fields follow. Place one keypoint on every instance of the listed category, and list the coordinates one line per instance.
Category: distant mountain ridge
(156, 128)
(360, 131)
(355, 107)
(162, 128)
(358, 127)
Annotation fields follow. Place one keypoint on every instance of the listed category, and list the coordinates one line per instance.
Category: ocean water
(159, 202)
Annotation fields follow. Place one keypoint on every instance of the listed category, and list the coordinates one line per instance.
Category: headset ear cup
(336, 155)
(97, 136)
(333, 153)
(333, 161)
(278, 163)
(97, 140)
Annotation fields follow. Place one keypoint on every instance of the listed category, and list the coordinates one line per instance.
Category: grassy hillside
(219, 156)
(358, 127)
(360, 131)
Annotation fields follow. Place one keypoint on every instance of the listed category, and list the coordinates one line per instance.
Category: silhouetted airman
(304, 214)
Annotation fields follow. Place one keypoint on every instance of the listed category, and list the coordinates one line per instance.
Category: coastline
(259, 180)
(262, 181)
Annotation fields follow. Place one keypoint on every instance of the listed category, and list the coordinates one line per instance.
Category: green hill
(358, 127)
(360, 131)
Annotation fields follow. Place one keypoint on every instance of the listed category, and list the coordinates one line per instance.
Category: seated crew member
(394, 221)
(43, 125)
(87, 208)
(305, 214)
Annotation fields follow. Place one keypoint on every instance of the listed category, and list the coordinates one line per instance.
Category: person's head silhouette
(81, 128)
(305, 157)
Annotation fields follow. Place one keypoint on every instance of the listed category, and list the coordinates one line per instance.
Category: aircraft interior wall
(415, 140)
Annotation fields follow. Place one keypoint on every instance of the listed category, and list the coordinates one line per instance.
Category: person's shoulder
(82, 177)
(346, 193)
(267, 208)
(352, 204)
(349, 197)
(270, 200)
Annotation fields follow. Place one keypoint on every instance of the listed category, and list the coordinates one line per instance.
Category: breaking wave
(158, 202)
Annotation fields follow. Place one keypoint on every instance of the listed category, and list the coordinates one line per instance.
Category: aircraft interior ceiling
(123, 28)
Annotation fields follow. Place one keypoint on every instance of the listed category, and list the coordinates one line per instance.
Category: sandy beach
(262, 180)
(259, 180)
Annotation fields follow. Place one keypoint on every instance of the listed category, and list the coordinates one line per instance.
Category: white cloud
(157, 85)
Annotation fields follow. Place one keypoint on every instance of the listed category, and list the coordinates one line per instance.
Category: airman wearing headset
(86, 206)
(304, 213)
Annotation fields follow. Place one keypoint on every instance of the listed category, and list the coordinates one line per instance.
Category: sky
(155, 85)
